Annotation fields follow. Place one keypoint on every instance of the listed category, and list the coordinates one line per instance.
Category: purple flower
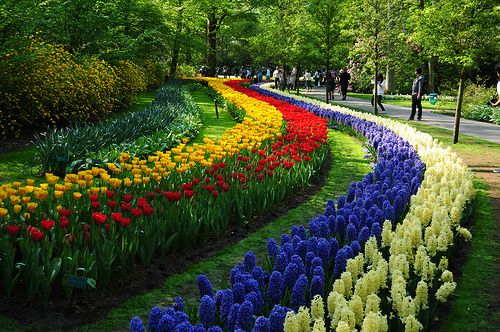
(198, 328)
(340, 263)
(251, 285)
(351, 233)
(245, 312)
(324, 250)
(302, 249)
(309, 257)
(184, 327)
(281, 262)
(318, 271)
(277, 319)
(398, 205)
(340, 225)
(332, 224)
(300, 264)
(180, 317)
(236, 271)
(232, 317)
(363, 236)
(330, 208)
(258, 275)
(356, 248)
(350, 193)
(285, 238)
(274, 288)
(261, 324)
(272, 248)
(389, 212)
(299, 292)
(154, 318)
(312, 243)
(238, 292)
(257, 302)
(226, 302)
(317, 286)
(341, 202)
(207, 310)
(288, 249)
(136, 325)
(178, 303)
(204, 286)
(290, 276)
(314, 263)
(215, 329)
(376, 231)
(249, 261)
(334, 246)
(166, 324)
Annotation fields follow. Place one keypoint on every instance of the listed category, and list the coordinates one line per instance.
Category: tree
(458, 33)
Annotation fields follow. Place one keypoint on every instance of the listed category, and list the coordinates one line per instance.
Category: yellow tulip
(77, 195)
(3, 212)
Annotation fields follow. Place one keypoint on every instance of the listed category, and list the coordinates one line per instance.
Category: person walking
(416, 95)
(281, 80)
(292, 78)
(268, 74)
(317, 75)
(259, 75)
(330, 84)
(379, 94)
(225, 71)
(276, 78)
(308, 79)
(344, 83)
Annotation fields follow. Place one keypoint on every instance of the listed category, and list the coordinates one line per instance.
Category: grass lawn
(440, 105)
(212, 127)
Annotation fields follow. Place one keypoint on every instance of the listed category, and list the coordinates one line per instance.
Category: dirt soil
(59, 314)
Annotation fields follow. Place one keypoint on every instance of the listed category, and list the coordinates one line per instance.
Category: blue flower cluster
(306, 263)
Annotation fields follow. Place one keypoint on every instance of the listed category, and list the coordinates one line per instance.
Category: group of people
(334, 81)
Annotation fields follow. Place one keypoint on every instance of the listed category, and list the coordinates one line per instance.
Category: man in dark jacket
(344, 83)
(417, 90)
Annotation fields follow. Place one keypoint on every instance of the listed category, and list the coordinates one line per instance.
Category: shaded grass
(440, 104)
(212, 127)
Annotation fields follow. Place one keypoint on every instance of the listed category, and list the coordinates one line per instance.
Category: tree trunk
(458, 110)
(389, 78)
(177, 46)
(432, 74)
(212, 43)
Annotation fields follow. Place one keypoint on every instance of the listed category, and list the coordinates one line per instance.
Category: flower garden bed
(401, 271)
(101, 222)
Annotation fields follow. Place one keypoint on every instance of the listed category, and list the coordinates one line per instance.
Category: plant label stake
(77, 282)
(216, 109)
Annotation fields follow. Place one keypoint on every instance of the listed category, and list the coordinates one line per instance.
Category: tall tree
(458, 33)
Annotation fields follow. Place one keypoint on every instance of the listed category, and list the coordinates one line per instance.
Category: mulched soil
(59, 314)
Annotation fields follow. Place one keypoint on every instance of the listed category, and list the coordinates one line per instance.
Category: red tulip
(127, 198)
(196, 181)
(116, 216)
(215, 193)
(99, 218)
(112, 204)
(125, 222)
(64, 213)
(13, 229)
(47, 224)
(96, 205)
(148, 210)
(188, 193)
(94, 198)
(63, 223)
(110, 193)
(141, 201)
(126, 206)
(136, 212)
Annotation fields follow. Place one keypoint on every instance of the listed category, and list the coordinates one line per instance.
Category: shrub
(475, 98)
(155, 73)
(186, 71)
(132, 81)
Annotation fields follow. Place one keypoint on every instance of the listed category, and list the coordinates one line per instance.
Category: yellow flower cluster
(418, 245)
(262, 122)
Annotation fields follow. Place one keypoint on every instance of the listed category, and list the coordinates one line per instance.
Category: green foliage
(71, 147)
(475, 107)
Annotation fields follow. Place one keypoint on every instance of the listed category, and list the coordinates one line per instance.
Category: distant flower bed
(377, 257)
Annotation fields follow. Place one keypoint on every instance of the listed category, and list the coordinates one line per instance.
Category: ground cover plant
(232, 307)
(143, 132)
(106, 222)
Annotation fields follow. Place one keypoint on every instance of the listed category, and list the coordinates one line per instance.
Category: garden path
(483, 130)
